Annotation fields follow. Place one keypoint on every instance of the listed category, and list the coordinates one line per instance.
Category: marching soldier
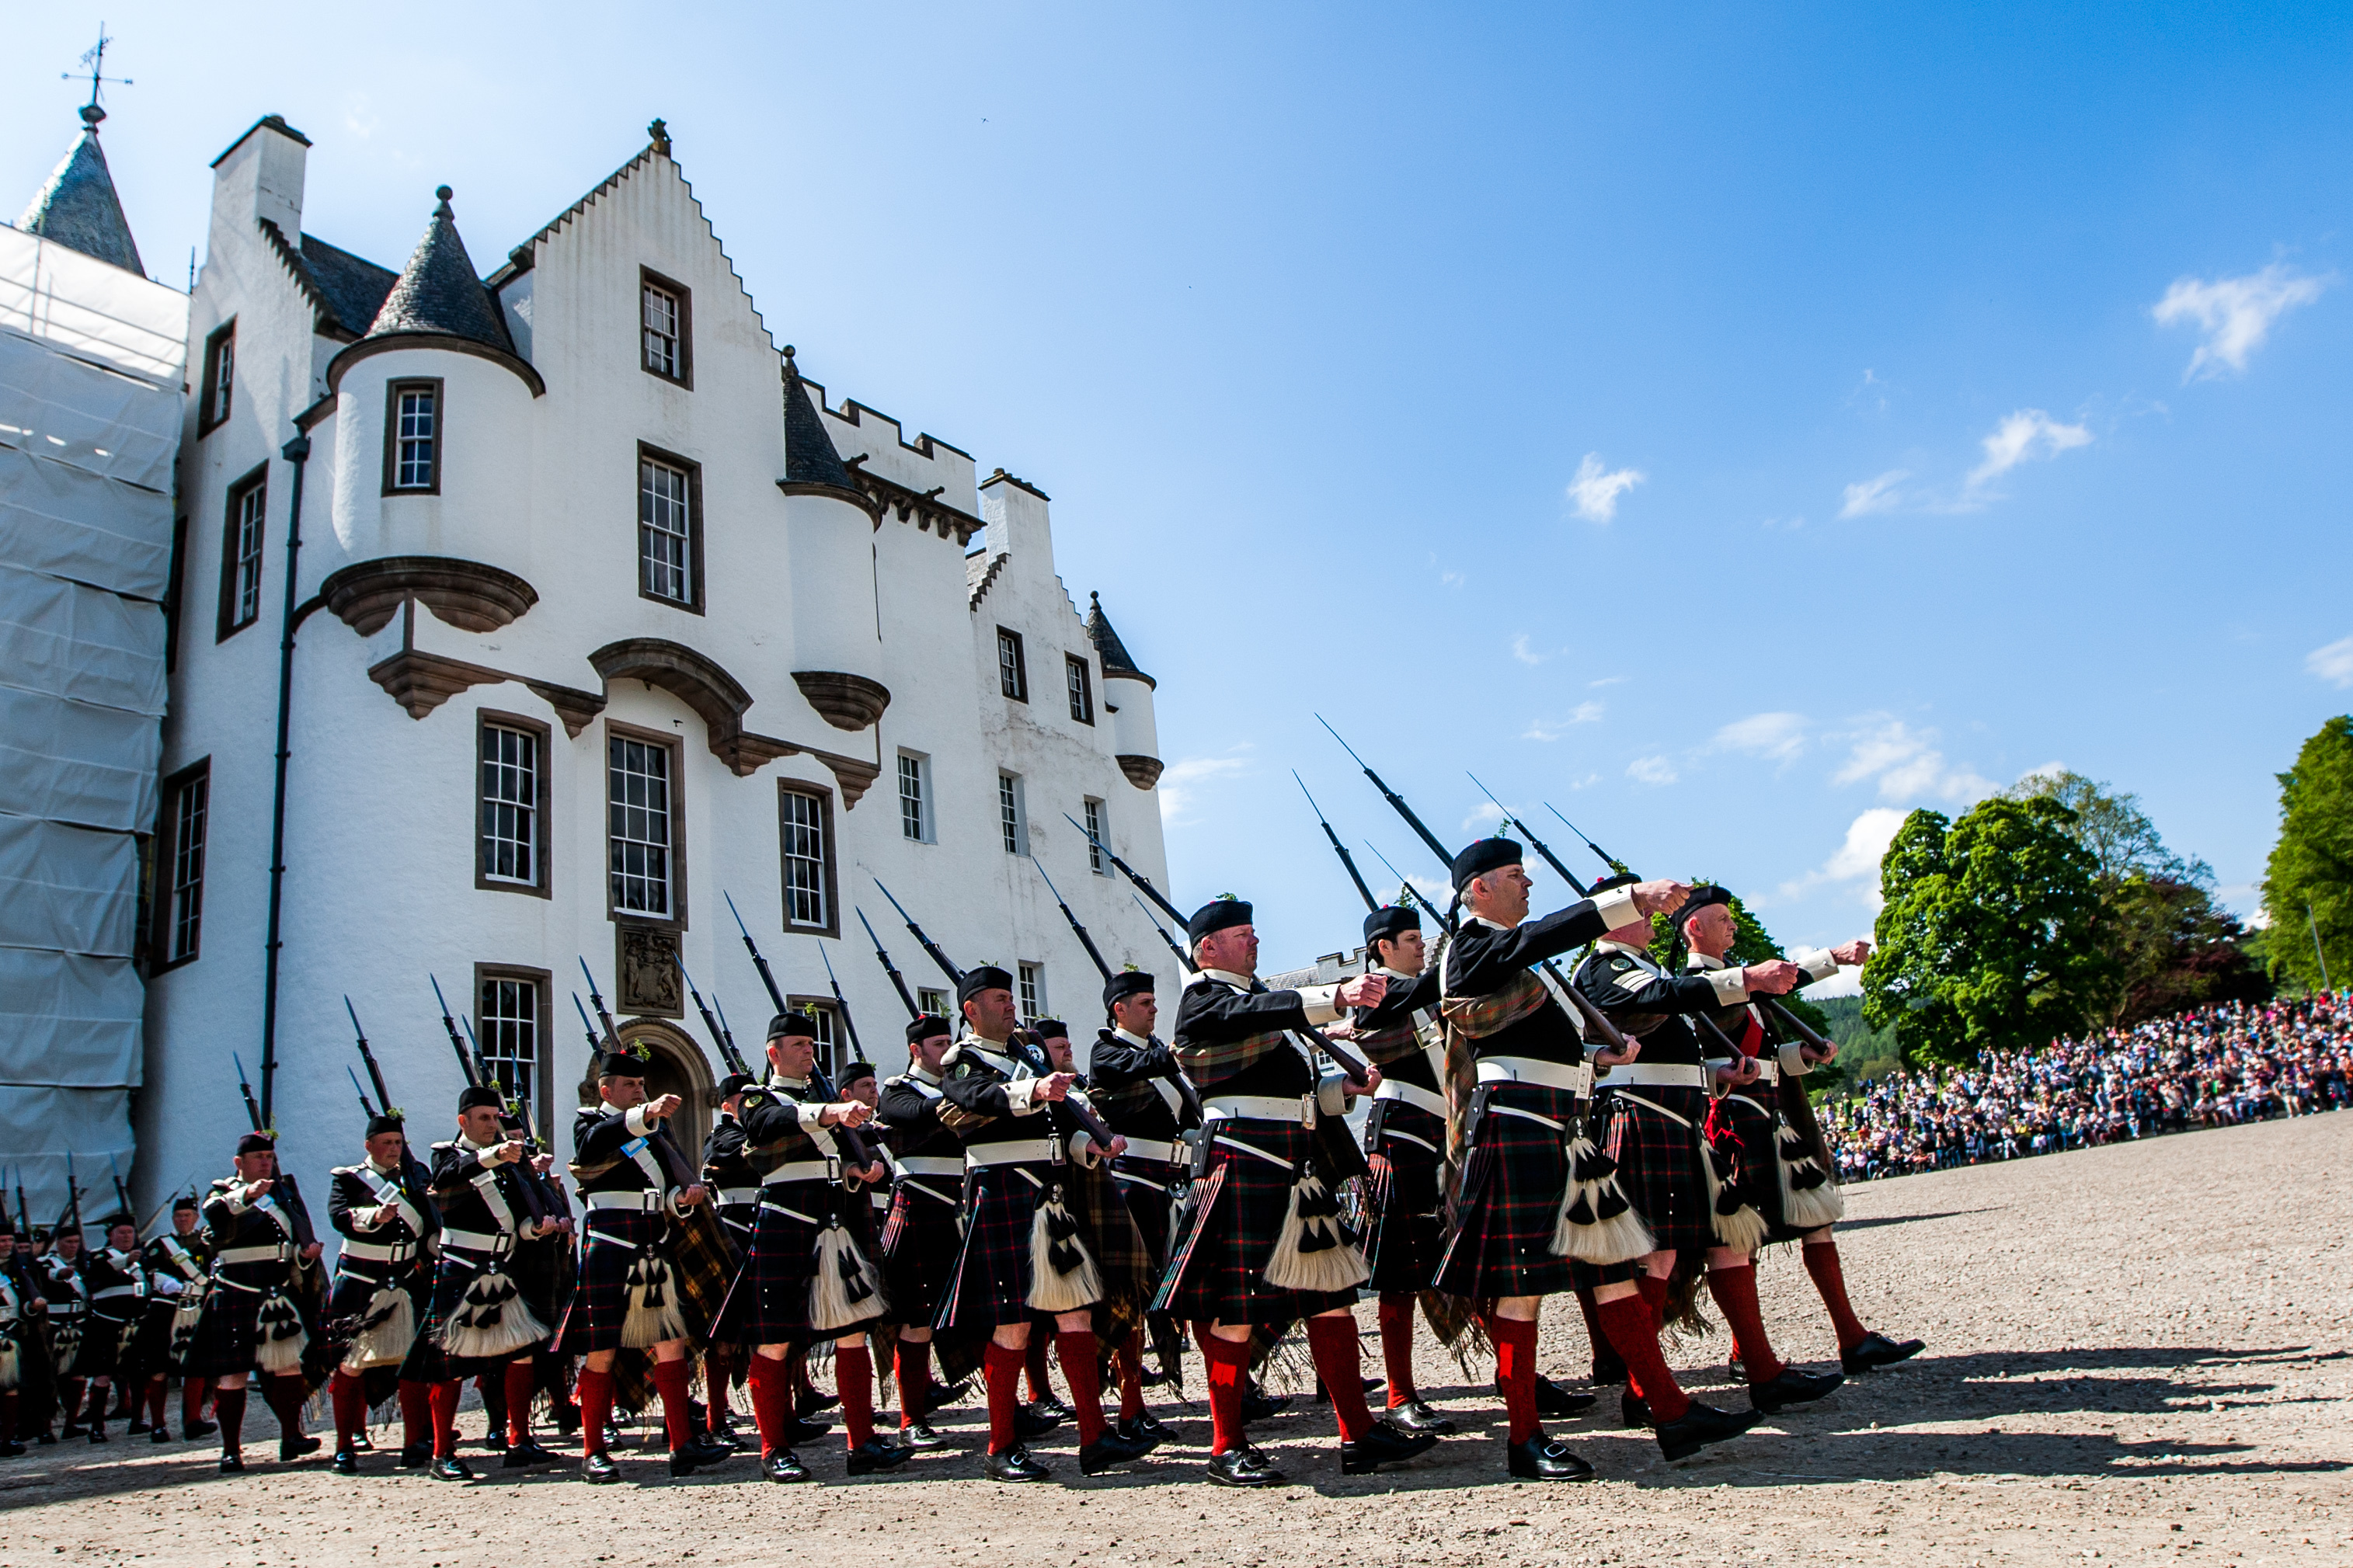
(1264, 1244)
(920, 1239)
(1024, 1255)
(253, 1317)
(633, 1181)
(117, 1282)
(805, 1275)
(23, 1347)
(58, 1273)
(382, 1275)
(735, 1198)
(178, 1264)
(1776, 1171)
(1653, 1116)
(1143, 1096)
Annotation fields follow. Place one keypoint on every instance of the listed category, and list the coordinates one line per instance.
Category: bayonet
(1535, 843)
(1338, 849)
(1617, 867)
(1143, 882)
(883, 955)
(1076, 928)
(1445, 856)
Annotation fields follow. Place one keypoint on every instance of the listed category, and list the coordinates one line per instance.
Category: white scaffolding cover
(86, 414)
(80, 642)
(67, 889)
(68, 522)
(71, 762)
(40, 1124)
(68, 1020)
(91, 309)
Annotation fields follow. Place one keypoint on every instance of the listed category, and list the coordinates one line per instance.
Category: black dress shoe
(1609, 1370)
(1384, 1443)
(1245, 1467)
(495, 1439)
(1700, 1425)
(346, 1463)
(1110, 1451)
(157, 1434)
(1049, 1405)
(1414, 1415)
(918, 1436)
(1541, 1459)
(1633, 1411)
(192, 1430)
(11, 1449)
(599, 1469)
(812, 1402)
(1032, 1421)
(1258, 1403)
(699, 1453)
(1874, 1351)
(612, 1435)
(449, 1467)
(1145, 1429)
(360, 1444)
(874, 1456)
(525, 1454)
(138, 1425)
(232, 1463)
(1014, 1465)
(98, 1434)
(415, 1456)
(1324, 1395)
(1556, 1403)
(72, 1429)
(1792, 1387)
(44, 1439)
(784, 1466)
(292, 1449)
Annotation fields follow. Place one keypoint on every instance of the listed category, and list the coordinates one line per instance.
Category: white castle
(601, 614)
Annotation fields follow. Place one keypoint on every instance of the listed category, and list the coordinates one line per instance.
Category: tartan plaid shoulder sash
(1479, 1016)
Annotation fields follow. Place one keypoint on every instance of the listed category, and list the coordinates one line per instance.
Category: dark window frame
(831, 925)
(649, 278)
(615, 730)
(165, 848)
(220, 337)
(392, 392)
(648, 453)
(486, 720)
(1014, 683)
(925, 821)
(1079, 684)
(543, 1108)
(1096, 812)
(830, 1058)
(227, 626)
(1012, 812)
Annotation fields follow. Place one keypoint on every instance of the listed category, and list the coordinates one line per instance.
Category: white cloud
(1594, 494)
(1908, 767)
(2236, 313)
(2029, 432)
(1550, 729)
(1875, 495)
(1521, 651)
(1779, 736)
(1856, 860)
(1181, 781)
(1652, 770)
(1486, 814)
(2334, 663)
(1609, 680)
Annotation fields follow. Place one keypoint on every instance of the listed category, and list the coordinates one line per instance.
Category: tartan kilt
(101, 1343)
(1227, 1233)
(1508, 1204)
(1403, 1233)
(769, 1303)
(600, 1296)
(544, 1270)
(349, 1298)
(1658, 1163)
(426, 1361)
(919, 1248)
(990, 1282)
(1743, 1134)
(227, 1335)
(148, 1351)
(1153, 1207)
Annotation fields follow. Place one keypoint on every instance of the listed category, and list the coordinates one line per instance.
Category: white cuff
(364, 1219)
(235, 1198)
(1083, 1151)
(1322, 1003)
(1021, 1097)
(1818, 965)
(1731, 986)
(1331, 1097)
(1794, 1064)
(1616, 906)
(634, 1121)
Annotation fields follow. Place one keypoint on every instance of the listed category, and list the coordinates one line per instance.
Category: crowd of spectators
(2211, 1067)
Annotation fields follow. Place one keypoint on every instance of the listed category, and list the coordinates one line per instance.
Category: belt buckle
(1307, 1110)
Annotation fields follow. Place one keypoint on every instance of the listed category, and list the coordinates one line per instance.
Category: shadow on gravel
(2032, 1383)
(1852, 1225)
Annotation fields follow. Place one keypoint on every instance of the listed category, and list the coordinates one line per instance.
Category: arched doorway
(675, 1064)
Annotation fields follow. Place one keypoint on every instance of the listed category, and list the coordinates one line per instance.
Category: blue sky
(1735, 424)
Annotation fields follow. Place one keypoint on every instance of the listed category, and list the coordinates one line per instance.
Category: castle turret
(1127, 698)
(78, 209)
(829, 531)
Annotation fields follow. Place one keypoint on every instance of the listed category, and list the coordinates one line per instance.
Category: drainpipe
(297, 452)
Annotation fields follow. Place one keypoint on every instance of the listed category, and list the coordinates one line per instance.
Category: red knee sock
(351, 1409)
(670, 1382)
(1734, 1290)
(228, 1409)
(1516, 1369)
(1654, 1296)
(283, 1394)
(853, 1379)
(156, 1391)
(521, 1382)
(596, 1396)
(718, 1366)
(1397, 1345)
(444, 1399)
(1822, 1263)
(416, 1414)
(1631, 1326)
(1339, 1361)
(1228, 1366)
(914, 1362)
(772, 1403)
(1082, 1370)
(1130, 1376)
(192, 1401)
(1607, 1367)
(1033, 1364)
(69, 1392)
(1002, 1366)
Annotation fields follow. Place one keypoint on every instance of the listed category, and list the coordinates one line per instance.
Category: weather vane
(95, 59)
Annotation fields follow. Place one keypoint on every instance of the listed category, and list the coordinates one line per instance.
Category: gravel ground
(2134, 1353)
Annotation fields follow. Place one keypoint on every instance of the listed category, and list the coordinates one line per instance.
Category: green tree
(1985, 943)
(2308, 884)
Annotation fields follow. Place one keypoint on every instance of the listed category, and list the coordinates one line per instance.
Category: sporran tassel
(845, 1289)
(1311, 1251)
(386, 1329)
(652, 1294)
(493, 1322)
(1737, 1225)
(1597, 1225)
(1062, 1273)
(278, 1336)
(1810, 1199)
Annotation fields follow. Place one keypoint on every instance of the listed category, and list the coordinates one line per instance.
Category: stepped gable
(78, 207)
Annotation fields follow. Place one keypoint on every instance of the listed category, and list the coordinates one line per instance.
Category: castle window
(1032, 979)
(639, 826)
(820, 1010)
(412, 437)
(180, 864)
(240, 593)
(514, 790)
(669, 535)
(663, 314)
(220, 378)
(1012, 673)
(507, 1023)
(914, 797)
(1081, 686)
(1011, 822)
(1093, 812)
(932, 1002)
(806, 821)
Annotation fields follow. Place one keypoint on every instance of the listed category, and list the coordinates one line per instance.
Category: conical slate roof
(78, 209)
(439, 292)
(810, 458)
(1108, 647)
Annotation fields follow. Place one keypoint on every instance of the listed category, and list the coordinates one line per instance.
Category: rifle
(365, 1109)
(1184, 964)
(603, 1017)
(1617, 867)
(465, 1058)
(252, 1107)
(1410, 894)
(1076, 928)
(898, 981)
(718, 1034)
(859, 1152)
(1535, 843)
(1445, 856)
(535, 1195)
(122, 1193)
(595, 1045)
(1143, 882)
(841, 1003)
(955, 975)
(1338, 847)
